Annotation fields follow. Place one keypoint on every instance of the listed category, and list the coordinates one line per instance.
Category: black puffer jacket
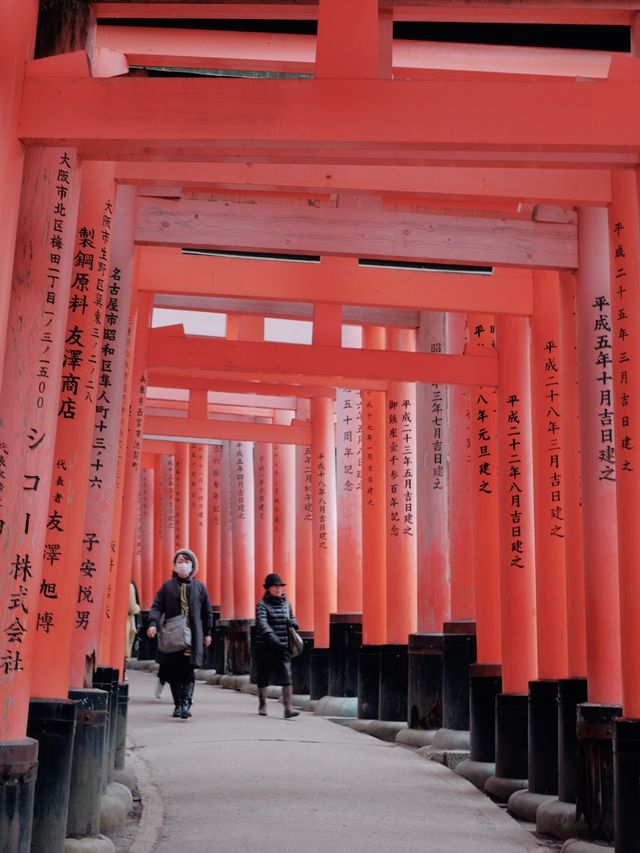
(273, 617)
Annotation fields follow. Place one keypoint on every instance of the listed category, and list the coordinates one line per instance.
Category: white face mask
(184, 569)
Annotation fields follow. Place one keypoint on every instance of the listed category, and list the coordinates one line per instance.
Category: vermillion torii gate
(511, 425)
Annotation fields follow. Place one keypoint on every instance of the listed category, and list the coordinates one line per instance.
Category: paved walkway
(232, 782)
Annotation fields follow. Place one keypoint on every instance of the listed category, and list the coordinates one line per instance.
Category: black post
(18, 768)
(458, 653)
(52, 723)
(425, 681)
(571, 693)
(121, 724)
(345, 640)
(87, 768)
(543, 736)
(319, 673)
(485, 683)
(239, 656)
(594, 797)
(368, 682)
(107, 678)
(394, 682)
(147, 649)
(209, 653)
(512, 735)
(301, 666)
(220, 652)
(626, 771)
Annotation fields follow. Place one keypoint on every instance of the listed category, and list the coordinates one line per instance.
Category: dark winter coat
(273, 617)
(167, 601)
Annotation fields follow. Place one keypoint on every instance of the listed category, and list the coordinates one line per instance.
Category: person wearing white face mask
(182, 594)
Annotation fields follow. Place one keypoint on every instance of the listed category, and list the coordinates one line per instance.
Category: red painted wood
(324, 521)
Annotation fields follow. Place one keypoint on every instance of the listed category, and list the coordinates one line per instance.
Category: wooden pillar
(304, 539)
(548, 385)
(214, 522)
(595, 365)
(264, 494)
(517, 545)
(82, 456)
(242, 527)
(227, 605)
(432, 522)
(284, 522)
(167, 517)
(146, 590)
(374, 506)
(183, 451)
(197, 509)
(349, 499)
(28, 406)
(354, 39)
(402, 609)
(17, 38)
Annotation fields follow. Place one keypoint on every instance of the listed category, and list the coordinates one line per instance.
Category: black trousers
(274, 666)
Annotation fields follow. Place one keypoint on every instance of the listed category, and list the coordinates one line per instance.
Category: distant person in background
(132, 621)
(273, 617)
(183, 594)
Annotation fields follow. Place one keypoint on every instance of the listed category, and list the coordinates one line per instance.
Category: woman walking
(273, 618)
(182, 594)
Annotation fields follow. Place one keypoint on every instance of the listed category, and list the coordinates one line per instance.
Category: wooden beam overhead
(195, 429)
(168, 350)
(186, 379)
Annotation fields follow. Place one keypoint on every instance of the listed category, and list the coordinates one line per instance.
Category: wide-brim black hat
(273, 580)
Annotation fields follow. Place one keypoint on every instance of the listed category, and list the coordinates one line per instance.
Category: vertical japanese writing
(239, 475)
(554, 432)
(626, 443)
(603, 346)
(321, 469)
(308, 491)
(515, 477)
(277, 486)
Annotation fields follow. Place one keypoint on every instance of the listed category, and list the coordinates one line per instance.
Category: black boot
(187, 699)
(262, 701)
(177, 698)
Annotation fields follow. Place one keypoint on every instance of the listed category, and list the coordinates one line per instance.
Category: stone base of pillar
(594, 793)
(476, 772)
(220, 637)
(543, 736)
(87, 767)
(394, 682)
(121, 725)
(301, 667)
(52, 723)
(107, 678)
(368, 682)
(512, 723)
(345, 641)
(571, 693)
(626, 771)
(425, 681)
(458, 654)
(18, 768)
(238, 639)
(318, 673)
(485, 683)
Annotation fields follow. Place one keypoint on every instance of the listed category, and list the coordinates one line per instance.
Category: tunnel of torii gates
(410, 386)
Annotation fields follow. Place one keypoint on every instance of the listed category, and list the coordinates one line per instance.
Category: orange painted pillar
(264, 495)
(324, 520)
(304, 539)
(199, 486)
(167, 517)
(461, 528)
(227, 603)
(28, 406)
(624, 252)
(242, 527)
(595, 367)
(214, 522)
(402, 568)
(284, 521)
(349, 499)
(548, 384)
(517, 546)
(17, 39)
(432, 522)
(146, 590)
(374, 506)
(485, 454)
(183, 452)
(84, 396)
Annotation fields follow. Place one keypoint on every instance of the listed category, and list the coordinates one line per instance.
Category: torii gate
(346, 166)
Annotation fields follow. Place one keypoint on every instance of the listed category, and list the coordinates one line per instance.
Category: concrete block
(385, 729)
(577, 845)
(126, 775)
(213, 679)
(203, 674)
(241, 680)
(452, 739)
(476, 772)
(559, 819)
(299, 699)
(448, 757)
(228, 682)
(307, 704)
(117, 789)
(249, 688)
(500, 789)
(113, 814)
(95, 844)
(415, 737)
(525, 804)
(274, 691)
(336, 706)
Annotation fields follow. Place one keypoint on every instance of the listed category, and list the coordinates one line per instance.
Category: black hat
(273, 580)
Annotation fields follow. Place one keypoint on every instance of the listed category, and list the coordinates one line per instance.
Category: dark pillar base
(368, 682)
(121, 724)
(18, 767)
(87, 767)
(485, 683)
(394, 682)
(253, 669)
(147, 649)
(239, 656)
(425, 681)
(512, 735)
(345, 641)
(107, 678)
(594, 795)
(458, 653)
(626, 771)
(543, 736)
(209, 653)
(318, 673)
(52, 723)
(220, 637)
(571, 693)
(301, 666)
